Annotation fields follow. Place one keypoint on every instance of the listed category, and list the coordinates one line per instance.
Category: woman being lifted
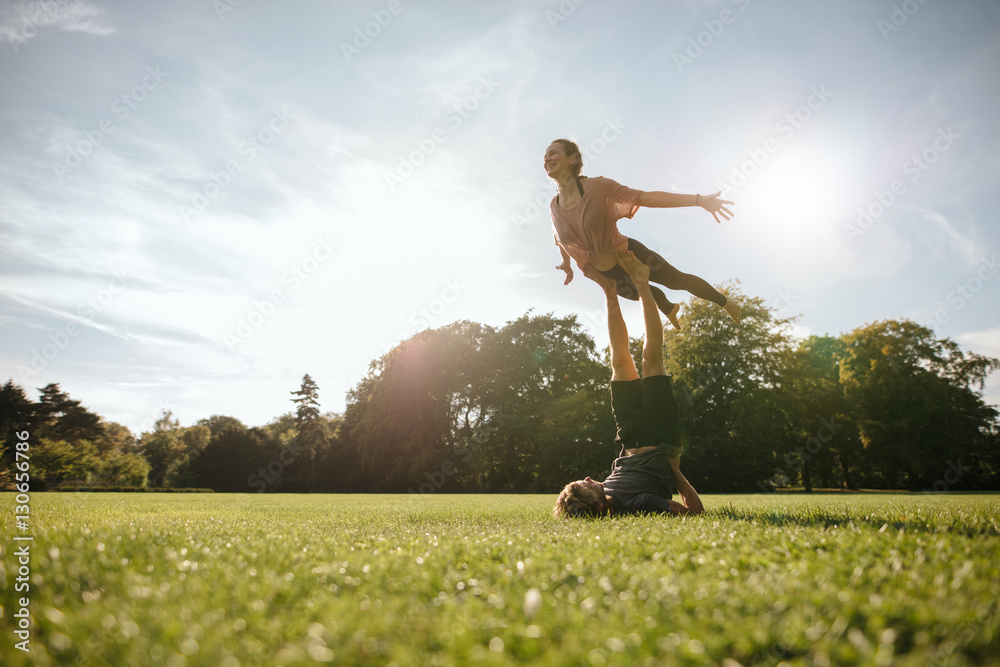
(585, 216)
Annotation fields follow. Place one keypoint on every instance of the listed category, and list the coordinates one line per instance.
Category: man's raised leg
(622, 366)
(652, 349)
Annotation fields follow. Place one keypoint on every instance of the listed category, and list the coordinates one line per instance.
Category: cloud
(20, 21)
(982, 342)
(940, 228)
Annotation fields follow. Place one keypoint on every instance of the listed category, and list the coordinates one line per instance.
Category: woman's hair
(572, 149)
(577, 500)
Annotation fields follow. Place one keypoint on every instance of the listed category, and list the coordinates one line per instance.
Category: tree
(162, 446)
(727, 379)
(826, 442)
(466, 406)
(232, 457)
(122, 469)
(63, 418)
(311, 437)
(56, 462)
(915, 402)
(18, 413)
(115, 438)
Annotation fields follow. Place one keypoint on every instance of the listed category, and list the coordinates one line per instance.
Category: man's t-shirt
(590, 228)
(640, 483)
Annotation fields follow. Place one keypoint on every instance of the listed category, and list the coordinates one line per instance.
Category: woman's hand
(565, 266)
(715, 206)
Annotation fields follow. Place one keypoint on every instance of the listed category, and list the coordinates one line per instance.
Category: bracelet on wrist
(697, 200)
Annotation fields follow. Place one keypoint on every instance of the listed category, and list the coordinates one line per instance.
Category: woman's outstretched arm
(711, 203)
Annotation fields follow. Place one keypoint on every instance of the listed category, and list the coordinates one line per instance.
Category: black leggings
(660, 271)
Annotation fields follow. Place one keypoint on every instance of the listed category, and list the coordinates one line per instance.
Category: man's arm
(711, 203)
(692, 503)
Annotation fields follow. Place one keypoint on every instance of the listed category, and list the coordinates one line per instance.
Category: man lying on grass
(646, 416)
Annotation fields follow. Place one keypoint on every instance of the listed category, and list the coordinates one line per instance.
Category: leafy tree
(57, 462)
(63, 418)
(401, 417)
(232, 457)
(473, 401)
(118, 468)
(162, 446)
(727, 379)
(18, 413)
(115, 438)
(825, 438)
(216, 423)
(311, 438)
(915, 402)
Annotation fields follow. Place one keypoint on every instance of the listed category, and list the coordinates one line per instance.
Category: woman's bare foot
(672, 316)
(734, 310)
(636, 269)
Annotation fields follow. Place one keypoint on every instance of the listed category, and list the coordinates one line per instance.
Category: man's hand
(565, 266)
(715, 206)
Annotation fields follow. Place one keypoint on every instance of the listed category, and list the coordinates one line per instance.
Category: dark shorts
(646, 414)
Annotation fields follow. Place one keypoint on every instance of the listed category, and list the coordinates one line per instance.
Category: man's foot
(672, 316)
(734, 310)
(636, 269)
(609, 285)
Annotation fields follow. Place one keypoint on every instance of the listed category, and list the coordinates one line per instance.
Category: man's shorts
(646, 414)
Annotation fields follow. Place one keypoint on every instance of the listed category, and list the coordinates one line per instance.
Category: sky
(201, 202)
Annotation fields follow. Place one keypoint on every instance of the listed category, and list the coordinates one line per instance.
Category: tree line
(525, 408)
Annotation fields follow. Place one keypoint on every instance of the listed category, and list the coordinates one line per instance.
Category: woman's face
(555, 160)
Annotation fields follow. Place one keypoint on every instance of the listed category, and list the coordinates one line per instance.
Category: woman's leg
(626, 289)
(662, 272)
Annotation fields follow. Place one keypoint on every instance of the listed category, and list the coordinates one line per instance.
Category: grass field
(175, 579)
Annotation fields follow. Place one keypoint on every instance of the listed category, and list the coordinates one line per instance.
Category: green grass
(173, 579)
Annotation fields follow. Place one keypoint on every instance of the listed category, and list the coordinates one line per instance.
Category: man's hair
(577, 500)
(571, 149)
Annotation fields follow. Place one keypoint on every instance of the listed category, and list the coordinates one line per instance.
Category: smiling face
(558, 160)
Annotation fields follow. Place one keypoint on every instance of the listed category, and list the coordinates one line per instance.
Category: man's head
(583, 497)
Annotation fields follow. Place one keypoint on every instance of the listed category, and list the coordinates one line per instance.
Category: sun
(800, 192)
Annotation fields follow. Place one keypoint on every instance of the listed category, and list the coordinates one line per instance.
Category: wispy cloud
(21, 21)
